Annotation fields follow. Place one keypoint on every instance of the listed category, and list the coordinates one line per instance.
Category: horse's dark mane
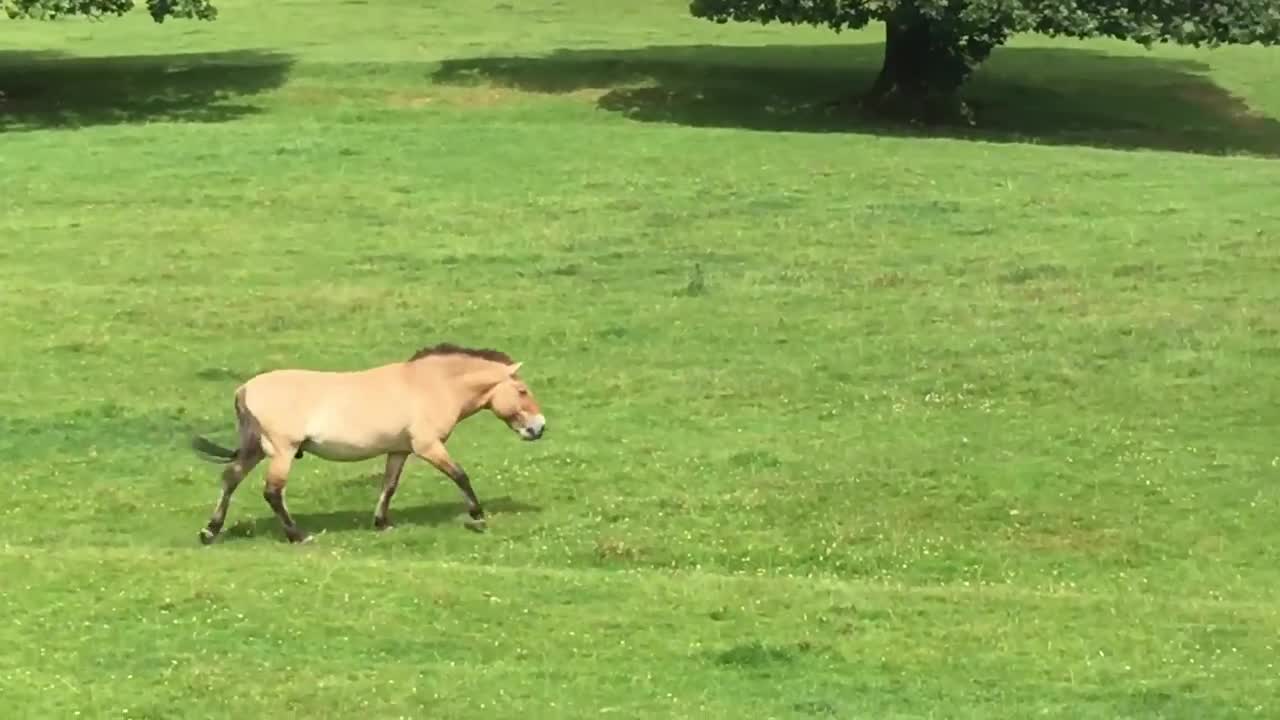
(447, 348)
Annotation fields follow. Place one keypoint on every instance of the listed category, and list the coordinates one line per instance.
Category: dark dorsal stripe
(451, 349)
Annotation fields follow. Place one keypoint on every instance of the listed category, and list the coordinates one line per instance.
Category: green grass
(844, 420)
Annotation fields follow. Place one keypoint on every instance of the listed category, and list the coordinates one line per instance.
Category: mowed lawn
(843, 421)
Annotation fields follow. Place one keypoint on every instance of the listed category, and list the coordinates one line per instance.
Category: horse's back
(338, 414)
(322, 381)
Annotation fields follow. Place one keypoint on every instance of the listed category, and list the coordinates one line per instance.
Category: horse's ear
(514, 368)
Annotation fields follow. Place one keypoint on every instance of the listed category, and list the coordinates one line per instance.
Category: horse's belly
(341, 441)
(343, 451)
(344, 427)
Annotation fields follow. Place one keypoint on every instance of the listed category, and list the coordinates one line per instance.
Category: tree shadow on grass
(434, 514)
(1057, 96)
(45, 90)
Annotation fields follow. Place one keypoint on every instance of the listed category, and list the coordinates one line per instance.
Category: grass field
(844, 421)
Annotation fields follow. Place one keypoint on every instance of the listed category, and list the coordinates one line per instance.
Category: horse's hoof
(300, 538)
(382, 524)
(476, 524)
(207, 536)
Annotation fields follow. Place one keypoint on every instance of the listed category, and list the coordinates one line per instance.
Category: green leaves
(951, 37)
(188, 9)
(158, 9)
(1177, 21)
(836, 14)
(51, 9)
(1186, 22)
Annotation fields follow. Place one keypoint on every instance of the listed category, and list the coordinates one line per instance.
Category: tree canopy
(932, 46)
(158, 9)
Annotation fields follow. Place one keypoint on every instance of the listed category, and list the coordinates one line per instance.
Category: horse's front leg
(433, 452)
(391, 481)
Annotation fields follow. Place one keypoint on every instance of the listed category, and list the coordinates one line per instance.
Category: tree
(158, 9)
(932, 46)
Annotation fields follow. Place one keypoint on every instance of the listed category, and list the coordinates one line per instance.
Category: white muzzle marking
(535, 427)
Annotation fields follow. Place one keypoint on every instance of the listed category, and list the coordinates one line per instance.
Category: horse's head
(512, 401)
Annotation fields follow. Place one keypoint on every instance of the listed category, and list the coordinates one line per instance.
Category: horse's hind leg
(273, 492)
(246, 460)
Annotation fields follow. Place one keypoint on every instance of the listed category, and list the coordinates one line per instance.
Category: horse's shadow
(434, 514)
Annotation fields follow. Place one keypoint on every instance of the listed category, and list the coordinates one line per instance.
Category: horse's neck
(467, 384)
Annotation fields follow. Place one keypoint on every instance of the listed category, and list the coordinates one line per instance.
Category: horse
(396, 409)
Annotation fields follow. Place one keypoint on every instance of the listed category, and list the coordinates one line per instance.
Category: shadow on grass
(442, 513)
(1045, 95)
(47, 90)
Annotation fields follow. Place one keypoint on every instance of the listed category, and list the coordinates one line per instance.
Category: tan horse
(395, 410)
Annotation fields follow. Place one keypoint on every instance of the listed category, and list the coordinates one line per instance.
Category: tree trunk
(906, 61)
(921, 74)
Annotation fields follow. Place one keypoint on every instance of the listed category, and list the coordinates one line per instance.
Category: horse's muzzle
(535, 429)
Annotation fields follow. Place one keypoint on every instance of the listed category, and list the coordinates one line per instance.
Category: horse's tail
(212, 451)
(247, 425)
